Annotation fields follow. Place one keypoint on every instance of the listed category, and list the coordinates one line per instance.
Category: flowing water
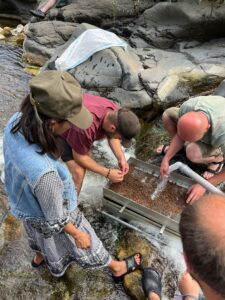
(13, 88)
(160, 188)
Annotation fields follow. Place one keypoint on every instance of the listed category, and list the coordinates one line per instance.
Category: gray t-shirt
(214, 108)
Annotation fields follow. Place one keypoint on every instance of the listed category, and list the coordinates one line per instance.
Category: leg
(77, 173)
(47, 6)
(169, 118)
(97, 256)
(41, 12)
(119, 268)
(75, 169)
(201, 153)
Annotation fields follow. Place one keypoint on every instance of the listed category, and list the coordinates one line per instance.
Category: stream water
(13, 87)
(160, 187)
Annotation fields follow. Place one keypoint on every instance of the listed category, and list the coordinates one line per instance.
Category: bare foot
(162, 149)
(38, 259)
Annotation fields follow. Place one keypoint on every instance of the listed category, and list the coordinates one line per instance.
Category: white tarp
(88, 43)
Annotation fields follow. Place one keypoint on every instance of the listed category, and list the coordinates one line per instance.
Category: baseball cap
(128, 126)
(57, 94)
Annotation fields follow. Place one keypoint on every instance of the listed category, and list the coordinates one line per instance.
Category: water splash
(160, 187)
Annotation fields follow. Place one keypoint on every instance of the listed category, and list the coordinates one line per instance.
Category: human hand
(187, 285)
(116, 175)
(123, 165)
(194, 193)
(164, 168)
(82, 240)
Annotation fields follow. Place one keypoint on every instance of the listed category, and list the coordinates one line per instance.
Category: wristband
(107, 176)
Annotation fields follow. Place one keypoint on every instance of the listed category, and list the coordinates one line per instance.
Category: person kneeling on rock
(42, 11)
(40, 188)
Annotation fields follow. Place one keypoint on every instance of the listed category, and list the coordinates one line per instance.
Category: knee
(193, 153)
(165, 117)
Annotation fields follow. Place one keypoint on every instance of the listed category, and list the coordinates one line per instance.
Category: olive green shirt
(214, 108)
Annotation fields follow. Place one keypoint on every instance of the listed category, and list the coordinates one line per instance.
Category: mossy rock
(131, 243)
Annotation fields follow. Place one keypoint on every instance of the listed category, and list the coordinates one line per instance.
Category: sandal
(151, 282)
(132, 265)
(37, 13)
(213, 172)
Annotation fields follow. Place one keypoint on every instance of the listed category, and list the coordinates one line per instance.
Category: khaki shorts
(207, 150)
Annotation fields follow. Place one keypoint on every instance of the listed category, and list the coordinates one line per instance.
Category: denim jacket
(24, 167)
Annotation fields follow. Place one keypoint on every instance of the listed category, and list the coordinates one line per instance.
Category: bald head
(202, 228)
(211, 211)
(192, 126)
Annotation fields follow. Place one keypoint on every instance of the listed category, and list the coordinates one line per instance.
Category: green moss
(152, 135)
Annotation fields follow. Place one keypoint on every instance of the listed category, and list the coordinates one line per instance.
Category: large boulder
(42, 38)
(17, 9)
(114, 71)
(174, 76)
(101, 13)
(166, 23)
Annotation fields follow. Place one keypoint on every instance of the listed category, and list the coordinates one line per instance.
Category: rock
(170, 91)
(42, 39)
(133, 99)
(18, 9)
(7, 31)
(102, 13)
(172, 77)
(18, 29)
(18, 39)
(2, 37)
(166, 23)
(132, 243)
(114, 69)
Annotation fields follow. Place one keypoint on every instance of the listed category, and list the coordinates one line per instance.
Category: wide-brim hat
(57, 94)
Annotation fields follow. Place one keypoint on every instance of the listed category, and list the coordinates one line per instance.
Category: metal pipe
(199, 179)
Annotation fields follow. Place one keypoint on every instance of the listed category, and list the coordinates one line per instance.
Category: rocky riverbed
(175, 51)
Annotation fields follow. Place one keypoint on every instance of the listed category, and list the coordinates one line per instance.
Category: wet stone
(139, 186)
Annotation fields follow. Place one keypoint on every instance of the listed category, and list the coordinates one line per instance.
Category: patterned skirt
(60, 250)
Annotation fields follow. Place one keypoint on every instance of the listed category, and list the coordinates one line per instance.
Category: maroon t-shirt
(81, 140)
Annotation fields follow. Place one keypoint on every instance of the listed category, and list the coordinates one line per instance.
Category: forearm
(81, 238)
(116, 148)
(88, 163)
(176, 144)
(71, 230)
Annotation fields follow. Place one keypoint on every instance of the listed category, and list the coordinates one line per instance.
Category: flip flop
(132, 265)
(151, 282)
(35, 265)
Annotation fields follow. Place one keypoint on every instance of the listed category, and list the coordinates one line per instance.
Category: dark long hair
(37, 131)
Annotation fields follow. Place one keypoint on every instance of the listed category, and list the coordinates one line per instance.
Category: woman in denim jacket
(40, 188)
